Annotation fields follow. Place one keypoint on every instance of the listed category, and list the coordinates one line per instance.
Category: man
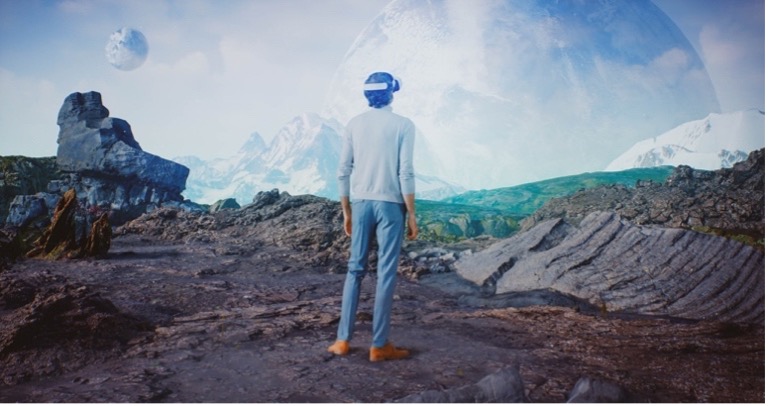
(376, 166)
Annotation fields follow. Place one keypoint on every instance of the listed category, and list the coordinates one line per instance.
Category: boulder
(618, 266)
(503, 386)
(32, 210)
(24, 209)
(593, 390)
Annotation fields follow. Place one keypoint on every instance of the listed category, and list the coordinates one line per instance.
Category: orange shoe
(340, 347)
(387, 352)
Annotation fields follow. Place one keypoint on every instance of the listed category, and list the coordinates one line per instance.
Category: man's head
(379, 88)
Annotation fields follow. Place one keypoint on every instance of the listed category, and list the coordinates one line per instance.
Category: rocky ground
(728, 202)
(240, 306)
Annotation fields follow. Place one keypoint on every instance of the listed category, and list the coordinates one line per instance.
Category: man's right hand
(411, 219)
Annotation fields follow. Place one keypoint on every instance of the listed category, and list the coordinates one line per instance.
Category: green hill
(523, 200)
(439, 221)
(497, 212)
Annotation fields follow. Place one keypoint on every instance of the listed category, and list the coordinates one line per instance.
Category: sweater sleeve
(345, 166)
(405, 157)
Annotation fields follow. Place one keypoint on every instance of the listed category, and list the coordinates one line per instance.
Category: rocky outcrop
(306, 223)
(618, 266)
(100, 159)
(224, 204)
(107, 166)
(728, 202)
(95, 145)
(24, 176)
(74, 232)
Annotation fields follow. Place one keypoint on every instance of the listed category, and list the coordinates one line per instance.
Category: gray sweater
(376, 158)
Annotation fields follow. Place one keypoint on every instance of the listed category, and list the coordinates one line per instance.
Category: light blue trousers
(385, 220)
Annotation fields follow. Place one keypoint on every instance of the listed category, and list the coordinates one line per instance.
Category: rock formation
(74, 232)
(224, 204)
(107, 166)
(104, 164)
(618, 266)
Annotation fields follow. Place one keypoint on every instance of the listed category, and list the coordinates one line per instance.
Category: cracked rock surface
(618, 266)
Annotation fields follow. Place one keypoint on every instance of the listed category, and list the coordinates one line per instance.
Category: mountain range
(302, 158)
(715, 142)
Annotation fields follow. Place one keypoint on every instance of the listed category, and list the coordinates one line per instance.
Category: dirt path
(227, 324)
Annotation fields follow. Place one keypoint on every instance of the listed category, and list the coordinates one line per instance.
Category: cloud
(735, 61)
(729, 36)
(40, 129)
(671, 65)
(192, 65)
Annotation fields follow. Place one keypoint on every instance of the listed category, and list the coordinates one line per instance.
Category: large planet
(508, 92)
(127, 49)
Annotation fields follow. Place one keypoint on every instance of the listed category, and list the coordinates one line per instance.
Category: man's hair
(379, 88)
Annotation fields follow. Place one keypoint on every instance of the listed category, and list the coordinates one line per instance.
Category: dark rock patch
(58, 327)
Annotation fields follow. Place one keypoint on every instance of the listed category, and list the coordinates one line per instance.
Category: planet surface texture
(508, 92)
(127, 49)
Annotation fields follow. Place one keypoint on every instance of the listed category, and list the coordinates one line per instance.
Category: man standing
(376, 166)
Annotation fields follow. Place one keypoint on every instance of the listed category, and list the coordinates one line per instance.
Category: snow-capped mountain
(717, 141)
(301, 159)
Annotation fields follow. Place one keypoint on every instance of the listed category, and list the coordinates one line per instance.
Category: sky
(218, 71)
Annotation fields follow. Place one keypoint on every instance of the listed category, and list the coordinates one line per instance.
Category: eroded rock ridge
(618, 266)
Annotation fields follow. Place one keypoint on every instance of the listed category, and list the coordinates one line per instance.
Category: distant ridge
(525, 199)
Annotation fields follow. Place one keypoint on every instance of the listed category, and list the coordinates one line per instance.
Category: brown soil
(217, 322)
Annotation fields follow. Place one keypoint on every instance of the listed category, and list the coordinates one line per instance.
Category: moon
(508, 92)
(127, 49)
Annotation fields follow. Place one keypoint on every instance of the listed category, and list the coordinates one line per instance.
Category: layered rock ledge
(618, 266)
